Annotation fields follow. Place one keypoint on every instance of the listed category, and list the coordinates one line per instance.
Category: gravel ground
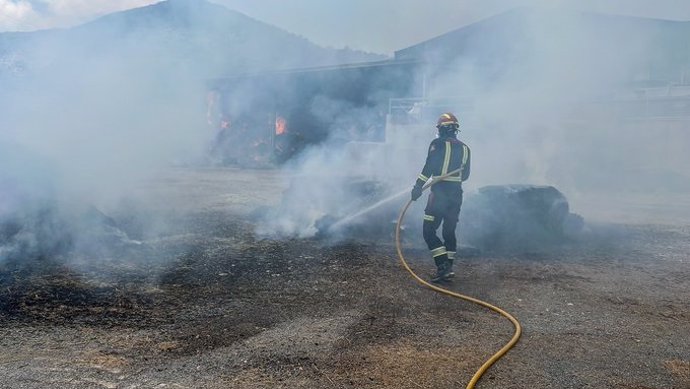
(206, 303)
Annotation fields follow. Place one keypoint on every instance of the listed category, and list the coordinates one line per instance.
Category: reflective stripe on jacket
(445, 155)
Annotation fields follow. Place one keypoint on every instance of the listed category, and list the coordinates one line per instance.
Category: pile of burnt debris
(45, 231)
(37, 220)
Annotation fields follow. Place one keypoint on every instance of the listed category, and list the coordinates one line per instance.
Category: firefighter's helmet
(447, 120)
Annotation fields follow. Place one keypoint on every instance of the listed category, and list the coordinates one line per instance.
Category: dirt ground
(208, 304)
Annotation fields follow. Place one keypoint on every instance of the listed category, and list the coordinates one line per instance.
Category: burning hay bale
(306, 211)
(354, 221)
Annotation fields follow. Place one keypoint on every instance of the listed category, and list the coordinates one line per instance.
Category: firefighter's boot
(442, 268)
(451, 258)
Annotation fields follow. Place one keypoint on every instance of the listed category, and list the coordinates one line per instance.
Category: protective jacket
(446, 154)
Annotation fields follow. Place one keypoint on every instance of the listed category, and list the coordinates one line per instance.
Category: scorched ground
(206, 303)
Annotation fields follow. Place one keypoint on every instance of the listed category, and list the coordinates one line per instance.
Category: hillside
(197, 36)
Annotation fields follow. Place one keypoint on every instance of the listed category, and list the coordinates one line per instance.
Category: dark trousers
(442, 208)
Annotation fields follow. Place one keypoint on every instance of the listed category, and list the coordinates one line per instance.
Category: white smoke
(546, 92)
(104, 112)
(556, 115)
(111, 104)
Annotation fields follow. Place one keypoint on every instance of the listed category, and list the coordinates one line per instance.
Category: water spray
(329, 224)
(366, 210)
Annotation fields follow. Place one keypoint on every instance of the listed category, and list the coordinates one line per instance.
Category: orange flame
(281, 125)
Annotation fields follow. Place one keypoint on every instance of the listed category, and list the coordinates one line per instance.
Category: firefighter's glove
(416, 193)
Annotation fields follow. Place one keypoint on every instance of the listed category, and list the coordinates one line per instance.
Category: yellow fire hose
(516, 324)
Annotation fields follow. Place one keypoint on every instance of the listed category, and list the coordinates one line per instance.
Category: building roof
(516, 37)
(524, 23)
(351, 67)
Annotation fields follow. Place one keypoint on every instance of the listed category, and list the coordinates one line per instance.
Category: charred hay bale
(523, 217)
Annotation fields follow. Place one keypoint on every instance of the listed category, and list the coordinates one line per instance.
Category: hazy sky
(374, 25)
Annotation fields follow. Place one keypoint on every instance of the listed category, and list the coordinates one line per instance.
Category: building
(634, 68)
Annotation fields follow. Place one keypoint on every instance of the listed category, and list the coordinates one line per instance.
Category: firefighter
(446, 154)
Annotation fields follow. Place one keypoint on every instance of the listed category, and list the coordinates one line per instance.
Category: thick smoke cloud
(90, 116)
(569, 110)
(109, 104)
(549, 97)
(106, 113)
